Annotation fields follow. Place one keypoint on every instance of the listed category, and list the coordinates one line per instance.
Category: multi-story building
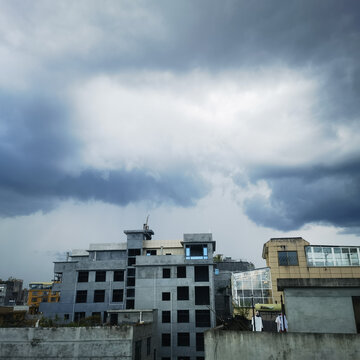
(174, 277)
(11, 292)
(295, 258)
(40, 292)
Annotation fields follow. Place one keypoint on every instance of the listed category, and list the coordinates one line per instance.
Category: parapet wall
(224, 344)
(66, 343)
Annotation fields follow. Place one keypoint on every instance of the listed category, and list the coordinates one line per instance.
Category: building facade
(40, 292)
(11, 292)
(174, 277)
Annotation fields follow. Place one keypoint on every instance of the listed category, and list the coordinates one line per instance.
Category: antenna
(146, 226)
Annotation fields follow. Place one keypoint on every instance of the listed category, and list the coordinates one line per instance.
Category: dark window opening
(131, 261)
(105, 316)
(148, 346)
(166, 296)
(99, 296)
(79, 315)
(183, 316)
(202, 295)
(196, 252)
(288, 258)
(201, 273)
(131, 272)
(118, 295)
(83, 276)
(183, 293)
(100, 276)
(183, 358)
(113, 319)
(119, 275)
(183, 339)
(81, 296)
(66, 316)
(138, 350)
(130, 281)
(199, 341)
(165, 339)
(130, 293)
(130, 304)
(202, 318)
(356, 306)
(134, 252)
(181, 272)
(166, 273)
(150, 252)
(166, 316)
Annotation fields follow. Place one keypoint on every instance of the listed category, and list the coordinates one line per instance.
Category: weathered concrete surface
(223, 344)
(68, 343)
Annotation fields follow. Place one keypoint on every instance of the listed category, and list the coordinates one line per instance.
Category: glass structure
(248, 284)
(332, 256)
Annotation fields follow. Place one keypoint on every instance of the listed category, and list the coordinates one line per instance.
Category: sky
(239, 118)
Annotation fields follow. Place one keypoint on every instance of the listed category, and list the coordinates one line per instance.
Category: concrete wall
(221, 344)
(321, 310)
(72, 343)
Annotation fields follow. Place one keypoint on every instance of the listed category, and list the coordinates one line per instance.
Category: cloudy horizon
(239, 118)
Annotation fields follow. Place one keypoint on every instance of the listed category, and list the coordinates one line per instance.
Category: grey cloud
(316, 194)
(34, 145)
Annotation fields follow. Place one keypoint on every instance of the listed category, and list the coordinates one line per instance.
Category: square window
(166, 273)
(130, 304)
(83, 276)
(119, 275)
(199, 341)
(165, 339)
(288, 258)
(202, 318)
(183, 339)
(99, 296)
(100, 276)
(118, 295)
(166, 296)
(130, 293)
(131, 272)
(166, 316)
(183, 316)
(81, 296)
(183, 293)
(131, 261)
(66, 316)
(202, 295)
(79, 315)
(201, 273)
(130, 281)
(181, 272)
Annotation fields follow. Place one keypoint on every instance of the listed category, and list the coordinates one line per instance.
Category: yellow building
(290, 258)
(41, 292)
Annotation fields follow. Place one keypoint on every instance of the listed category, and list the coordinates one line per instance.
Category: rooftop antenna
(146, 226)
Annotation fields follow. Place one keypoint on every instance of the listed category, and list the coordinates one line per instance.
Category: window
(288, 258)
(119, 275)
(166, 273)
(66, 316)
(183, 293)
(183, 358)
(131, 261)
(130, 281)
(100, 276)
(118, 295)
(202, 318)
(165, 358)
(138, 350)
(202, 295)
(53, 299)
(166, 316)
(131, 272)
(196, 252)
(150, 252)
(199, 341)
(201, 273)
(113, 319)
(166, 296)
(183, 339)
(130, 304)
(148, 346)
(134, 252)
(181, 272)
(81, 296)
(130, 293)
(83, 276)
(99, 296)
(79, 315)
(165, 339)
(183, 316)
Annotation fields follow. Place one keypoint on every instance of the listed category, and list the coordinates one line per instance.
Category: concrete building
(292, 258)
(11, 292)
(40, 292)
(174, 277)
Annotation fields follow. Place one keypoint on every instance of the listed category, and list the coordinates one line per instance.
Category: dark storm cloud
(35, 145)
(317, 194)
